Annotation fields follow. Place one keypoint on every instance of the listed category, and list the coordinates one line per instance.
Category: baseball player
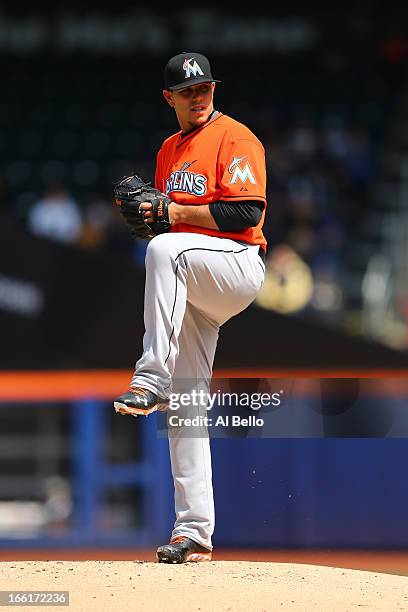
(205, 265)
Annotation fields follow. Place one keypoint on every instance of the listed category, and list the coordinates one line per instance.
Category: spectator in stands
(98, 213)
(56, 216)
(103, 228)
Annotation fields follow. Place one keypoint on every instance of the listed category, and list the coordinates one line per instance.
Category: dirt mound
(216, 586)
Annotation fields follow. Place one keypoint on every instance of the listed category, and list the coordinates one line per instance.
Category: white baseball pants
(194, 284)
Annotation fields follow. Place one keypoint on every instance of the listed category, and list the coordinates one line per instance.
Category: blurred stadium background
(325, 88)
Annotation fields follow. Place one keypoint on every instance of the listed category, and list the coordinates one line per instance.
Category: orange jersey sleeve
(241, 170)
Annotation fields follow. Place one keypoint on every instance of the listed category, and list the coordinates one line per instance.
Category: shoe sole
(124, 409)
(163, 557)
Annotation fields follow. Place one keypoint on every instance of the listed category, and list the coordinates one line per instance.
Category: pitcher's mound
(220, 585)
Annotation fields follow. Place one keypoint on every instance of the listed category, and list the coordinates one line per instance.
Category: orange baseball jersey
(221, 160)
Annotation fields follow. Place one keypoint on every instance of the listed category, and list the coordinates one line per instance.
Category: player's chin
(199, 117)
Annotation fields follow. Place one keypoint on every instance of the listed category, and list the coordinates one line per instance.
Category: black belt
(261, 252)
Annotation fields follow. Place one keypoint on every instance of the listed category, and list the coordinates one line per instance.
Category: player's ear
(168, 97)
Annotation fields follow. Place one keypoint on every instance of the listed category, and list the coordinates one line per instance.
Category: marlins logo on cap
(191, 68)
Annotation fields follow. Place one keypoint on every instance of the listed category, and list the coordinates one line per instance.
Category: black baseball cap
(187, 69)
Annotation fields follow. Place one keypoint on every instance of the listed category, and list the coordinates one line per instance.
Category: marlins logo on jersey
(189, 182)
(241, 173)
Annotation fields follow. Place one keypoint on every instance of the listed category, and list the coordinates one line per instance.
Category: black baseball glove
(129, 194)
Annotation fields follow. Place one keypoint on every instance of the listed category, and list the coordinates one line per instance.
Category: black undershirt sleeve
(236, 216)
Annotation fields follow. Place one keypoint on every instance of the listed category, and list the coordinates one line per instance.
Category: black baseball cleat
(182, 550)
(138, 401)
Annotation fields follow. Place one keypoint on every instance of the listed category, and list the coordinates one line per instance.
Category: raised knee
(161, 247)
